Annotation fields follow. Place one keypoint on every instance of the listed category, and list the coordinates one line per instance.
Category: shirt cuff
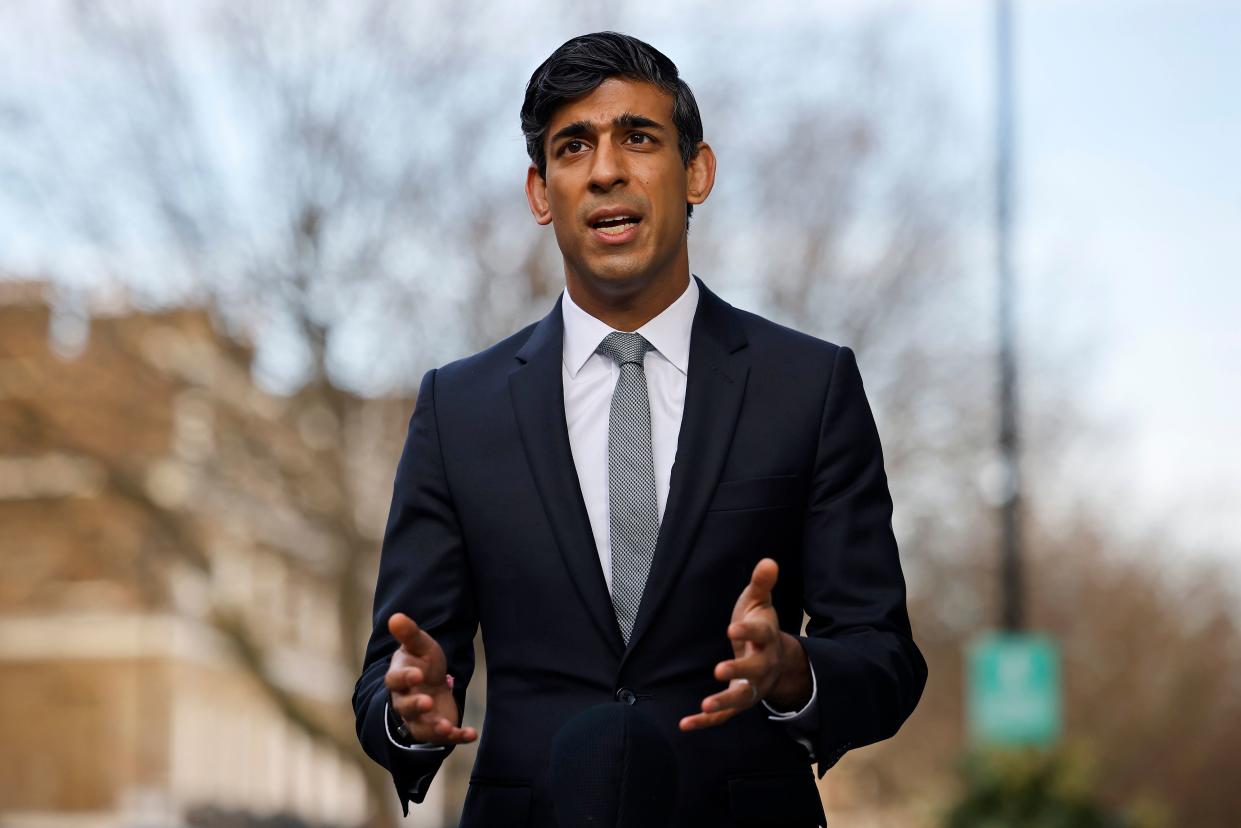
(798, 716)
(800, 723)
(392, 738)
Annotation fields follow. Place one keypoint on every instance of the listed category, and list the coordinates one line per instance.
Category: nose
(607, 169)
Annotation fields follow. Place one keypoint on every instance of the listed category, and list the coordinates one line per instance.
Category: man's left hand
(767, 664)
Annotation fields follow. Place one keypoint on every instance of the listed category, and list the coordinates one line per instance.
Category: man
(636, 498)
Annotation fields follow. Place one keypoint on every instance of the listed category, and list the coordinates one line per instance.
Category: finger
(415, 707)
(411, 637)
(435, 728)
(699, 721)
(403, 679)
(396, 681)
(445, 733)
(740, 695)
(763, 581)
(752, 666)
(756, 630)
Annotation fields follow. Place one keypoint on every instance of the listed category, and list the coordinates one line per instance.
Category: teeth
(623, 224)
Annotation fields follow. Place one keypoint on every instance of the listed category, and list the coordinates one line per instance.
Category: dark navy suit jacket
(777, 456)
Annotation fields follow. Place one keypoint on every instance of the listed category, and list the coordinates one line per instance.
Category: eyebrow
(626, 120)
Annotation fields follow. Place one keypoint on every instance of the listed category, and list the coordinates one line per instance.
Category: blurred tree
(301, 174)
(1030, 791)
(1152, 666)
(1153, 653)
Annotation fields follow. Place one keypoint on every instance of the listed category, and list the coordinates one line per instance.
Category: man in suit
(636, 498)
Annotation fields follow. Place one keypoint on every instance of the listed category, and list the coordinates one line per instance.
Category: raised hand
(767, 663)
(421, 689)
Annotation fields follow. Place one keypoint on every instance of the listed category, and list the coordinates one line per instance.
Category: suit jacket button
(626, 695)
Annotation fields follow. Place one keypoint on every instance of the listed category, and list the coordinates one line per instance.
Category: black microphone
(611, 767)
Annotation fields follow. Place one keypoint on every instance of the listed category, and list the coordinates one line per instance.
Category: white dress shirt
(589, 379)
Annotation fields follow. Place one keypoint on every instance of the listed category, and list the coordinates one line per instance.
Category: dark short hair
(584, 62)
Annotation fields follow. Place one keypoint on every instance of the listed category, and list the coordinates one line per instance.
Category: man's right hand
(417, 680)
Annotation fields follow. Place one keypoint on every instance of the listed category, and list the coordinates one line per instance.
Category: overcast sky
(1129, 208)
(1129, 218)
(1129, 126)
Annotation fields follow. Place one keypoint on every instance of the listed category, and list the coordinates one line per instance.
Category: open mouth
(616, 226)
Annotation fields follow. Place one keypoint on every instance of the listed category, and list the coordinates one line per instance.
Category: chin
(619, 274)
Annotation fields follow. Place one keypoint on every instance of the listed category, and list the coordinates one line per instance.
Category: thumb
(763, 581)
(406, 632)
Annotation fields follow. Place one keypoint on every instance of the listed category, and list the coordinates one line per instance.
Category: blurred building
(144, 494)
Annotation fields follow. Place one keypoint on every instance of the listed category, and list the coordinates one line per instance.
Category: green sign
(1014, 690)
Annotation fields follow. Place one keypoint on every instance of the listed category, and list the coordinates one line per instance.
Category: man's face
(616, 189)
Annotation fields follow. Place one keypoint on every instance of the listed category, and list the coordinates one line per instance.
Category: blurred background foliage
(1034, 789)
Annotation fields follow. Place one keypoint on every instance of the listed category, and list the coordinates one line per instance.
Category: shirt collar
(669, 332)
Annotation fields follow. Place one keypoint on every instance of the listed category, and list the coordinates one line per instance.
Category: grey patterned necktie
(633, 507)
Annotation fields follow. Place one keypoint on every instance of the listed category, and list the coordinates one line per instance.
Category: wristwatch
(398, 724)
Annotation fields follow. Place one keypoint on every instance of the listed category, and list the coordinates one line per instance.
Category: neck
(629, 310)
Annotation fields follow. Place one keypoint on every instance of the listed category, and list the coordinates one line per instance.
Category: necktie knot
(625, 347)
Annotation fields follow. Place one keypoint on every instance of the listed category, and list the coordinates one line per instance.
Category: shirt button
(626, 695)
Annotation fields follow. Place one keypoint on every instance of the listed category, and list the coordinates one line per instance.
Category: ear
(536, 194)
(700, 174)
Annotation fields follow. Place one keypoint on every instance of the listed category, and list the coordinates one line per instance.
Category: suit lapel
(537, 391)
(717, 373)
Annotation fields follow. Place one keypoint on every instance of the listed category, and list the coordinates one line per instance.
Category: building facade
(153, 499)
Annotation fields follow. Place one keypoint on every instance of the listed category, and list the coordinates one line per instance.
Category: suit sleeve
(869, 672)
(424, 573)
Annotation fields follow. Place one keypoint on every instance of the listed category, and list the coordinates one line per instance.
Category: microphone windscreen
(611, 767)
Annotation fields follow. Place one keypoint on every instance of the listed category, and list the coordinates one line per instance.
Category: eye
(646, 139)
(571, 146)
